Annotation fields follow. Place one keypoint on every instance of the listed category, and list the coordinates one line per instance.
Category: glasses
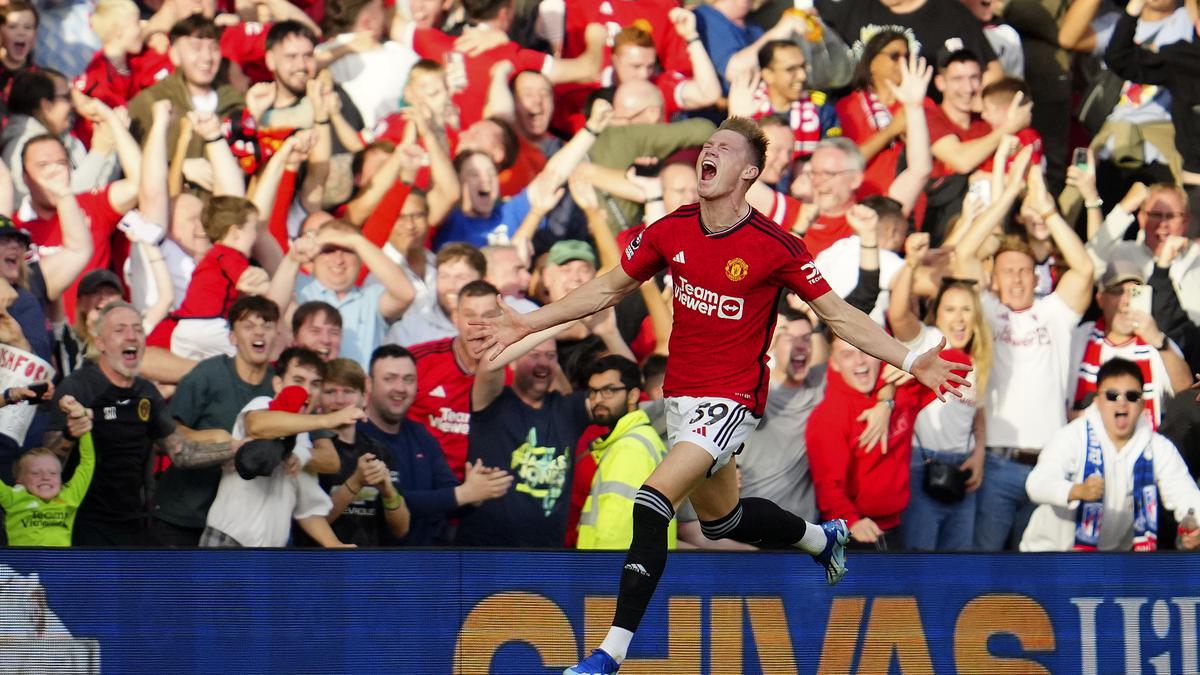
(1166, 215)
(605, 392)
(1131, 395)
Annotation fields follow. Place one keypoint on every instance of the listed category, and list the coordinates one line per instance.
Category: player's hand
(877, 417)
(492, 336)
(865, 531)
(938, 374)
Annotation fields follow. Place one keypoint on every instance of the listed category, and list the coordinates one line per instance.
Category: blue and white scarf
(1090, 515)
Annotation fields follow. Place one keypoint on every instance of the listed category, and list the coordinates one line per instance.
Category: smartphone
(39, 388)
(1140, 297)
(1080, 158)
(646, 170)
(141, 228)
(982, 189)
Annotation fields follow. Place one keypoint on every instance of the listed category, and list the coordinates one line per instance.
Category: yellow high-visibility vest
(624, 460)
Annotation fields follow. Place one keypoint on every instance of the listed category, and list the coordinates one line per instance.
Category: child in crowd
(39, 510)
(199, 329)
(997, 99)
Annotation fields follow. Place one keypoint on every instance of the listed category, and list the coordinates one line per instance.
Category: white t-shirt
(1026, 401)
(259, 512)
(839, 265)
(944, 426)
(375, 80)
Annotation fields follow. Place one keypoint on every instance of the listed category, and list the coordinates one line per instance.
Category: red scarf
(873, 110)
(1099, 350)
(802, 117)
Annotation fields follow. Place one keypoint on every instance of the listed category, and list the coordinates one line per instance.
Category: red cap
(292, 399)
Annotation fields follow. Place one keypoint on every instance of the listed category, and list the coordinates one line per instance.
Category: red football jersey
(443, 401)
(650, 15)
(102, 219)
(430, 43)
(727, 287)
(940, 126)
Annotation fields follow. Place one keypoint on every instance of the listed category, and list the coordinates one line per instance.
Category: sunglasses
(1131, 395)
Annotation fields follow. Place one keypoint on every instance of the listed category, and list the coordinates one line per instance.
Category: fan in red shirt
(44, 157)
(469, 70)
(730, 267)
(614, 15)
(868, 487)
(445, 373)
(634, 59)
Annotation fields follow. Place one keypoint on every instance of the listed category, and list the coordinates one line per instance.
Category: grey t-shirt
(774, 463)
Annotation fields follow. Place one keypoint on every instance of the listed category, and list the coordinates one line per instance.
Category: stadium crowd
(244, 242)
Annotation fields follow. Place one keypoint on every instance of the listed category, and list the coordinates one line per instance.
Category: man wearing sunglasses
(1086, 473)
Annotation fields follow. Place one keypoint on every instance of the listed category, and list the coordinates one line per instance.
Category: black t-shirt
(128, 421)
(363, 522)
(931, 26)
(537, 446)
(209, 397)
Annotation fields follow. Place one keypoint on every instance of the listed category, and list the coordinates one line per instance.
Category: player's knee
(722, 527)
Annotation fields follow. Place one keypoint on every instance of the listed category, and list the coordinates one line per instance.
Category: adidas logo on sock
(632, 567)
(679, 258)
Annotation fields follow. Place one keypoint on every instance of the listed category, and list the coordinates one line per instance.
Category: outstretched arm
(606, 290)
(189, 454)
(859, 330)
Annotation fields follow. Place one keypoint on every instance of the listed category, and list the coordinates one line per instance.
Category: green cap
(567, 250)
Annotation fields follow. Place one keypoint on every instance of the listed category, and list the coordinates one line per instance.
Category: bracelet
(908, 361)
(868, 247)
(213, 140)
(693, 40)
(1094, 205)
(589, 130)
(346, 486)
(393, 503)
(1161, 345)
(651, 200)
(890, 402)
(8, 396)
(320, 122)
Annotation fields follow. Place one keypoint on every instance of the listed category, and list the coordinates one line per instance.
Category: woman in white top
(949, 432)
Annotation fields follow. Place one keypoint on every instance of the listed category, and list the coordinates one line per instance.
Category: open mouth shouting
(708, 169)
(130, 356)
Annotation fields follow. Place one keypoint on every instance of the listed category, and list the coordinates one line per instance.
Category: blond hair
(109, 14)
(980, 347)
(19, 465)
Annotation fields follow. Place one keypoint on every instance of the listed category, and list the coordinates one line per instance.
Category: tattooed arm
(189, 454)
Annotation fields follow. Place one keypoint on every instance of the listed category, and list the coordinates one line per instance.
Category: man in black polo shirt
(130, 419)
(205, 406)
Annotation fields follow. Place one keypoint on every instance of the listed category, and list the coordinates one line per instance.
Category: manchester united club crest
(736, 269)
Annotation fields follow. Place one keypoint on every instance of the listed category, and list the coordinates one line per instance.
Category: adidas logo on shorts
(633, 567)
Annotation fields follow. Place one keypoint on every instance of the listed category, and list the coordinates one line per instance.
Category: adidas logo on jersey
(679, 258)
(438, 391)
(633, 567)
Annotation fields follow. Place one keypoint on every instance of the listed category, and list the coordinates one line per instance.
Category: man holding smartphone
(1126, 330)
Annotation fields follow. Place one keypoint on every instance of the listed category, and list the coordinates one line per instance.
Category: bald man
(637, 102)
